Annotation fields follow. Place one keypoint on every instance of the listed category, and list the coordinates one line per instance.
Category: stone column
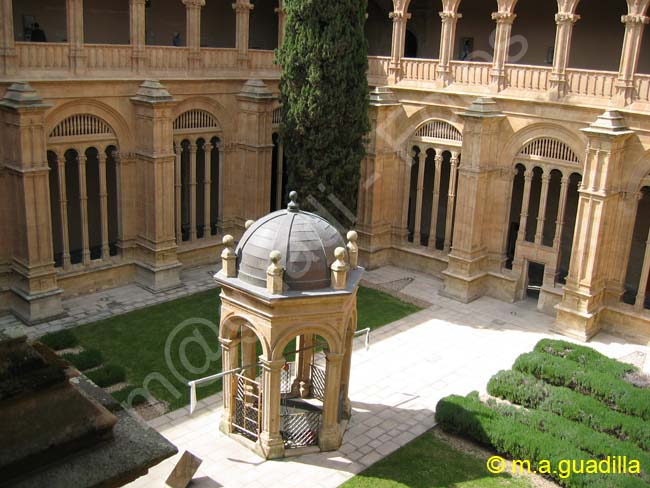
(466, 277)
(302, 384)
(82, 162)
(397, 48)
(63, 205)
(103, 202)
(282, 20)
(193, 150)
(347, 366)
(379, 184)
(243, 12)
(193, 31)
(35, 296)
(525, 203)
(451, 200)
(75, 23)
(563, 33)
(417, 234)
(436, 199)
(600, 198)
(229, 362)
(639, 303)
(157, 266)
(138, 34)
(255, 152)
(504, 22)
(561, 211)
(541, 215)
(178, 184)
(447, 43)
(634, 26)
(270, 441)
(207, 177)
(248, 351)
(7, 43)
(329, 438)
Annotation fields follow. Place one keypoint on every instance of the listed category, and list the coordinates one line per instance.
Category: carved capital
(504, 17)
(240, 7)
(194, 3)
(399, 16)
(635, 19)
(566, 18)
(449, 16)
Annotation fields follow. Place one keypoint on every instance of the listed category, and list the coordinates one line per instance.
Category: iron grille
(248, 407)
(300, 429)
(318, 382)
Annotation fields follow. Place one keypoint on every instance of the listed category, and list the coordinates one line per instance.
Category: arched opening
(94, 217)
(516, 201)
(379, 27)
(55, 206)
(106, 22)
(637, 291)
(590, 49)
(185, 190)
(48, 17)
(552, 207)
(533, 204)
(264, 25)
(73, 194)
(200, 188)
(644, 56)
(533, 33)
(423, 34)
(443, 201)
(165, 23)
(475, 31)
(427, 197)
(218, 25)
(215, 170)
(568, 227)
(413, 192)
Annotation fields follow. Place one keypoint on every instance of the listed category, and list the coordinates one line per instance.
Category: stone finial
(353, 249)
(228, 257)
(248, 224)
(274, 274)
(339, 270)
(293, 202)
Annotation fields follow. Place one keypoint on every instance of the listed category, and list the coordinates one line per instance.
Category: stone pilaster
(229, 358)
(157, 264)
(504, 21)
(634, 27)
(400, 19)
(242, 34)
(270, 442)
(75, 24)
(7, 44)
(35, 294)
(563, 34)
(465, 278)
(449, 21)
(254, 149)
(282, 20)
(193, 30)
(379, 180)
(329, 438)
(137, 34)
(598, 208)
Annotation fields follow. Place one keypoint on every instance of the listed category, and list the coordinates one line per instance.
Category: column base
(464, 289)
(36, 308)
(270, 446)
(330, 439)
(158, 278)
(577, 325)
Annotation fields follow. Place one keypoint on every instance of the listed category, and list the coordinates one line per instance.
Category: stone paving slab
(395, 386)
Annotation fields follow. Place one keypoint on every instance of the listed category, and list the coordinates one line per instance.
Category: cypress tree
(324, 95)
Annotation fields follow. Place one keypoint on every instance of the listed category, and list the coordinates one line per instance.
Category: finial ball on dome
(339, 253)
(228, 240)
(275, 257)
(352, 236)
(293, 204)
(248, 224)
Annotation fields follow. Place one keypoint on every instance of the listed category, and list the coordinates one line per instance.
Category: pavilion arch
(123, 132)
(230, 327)
(334, 343)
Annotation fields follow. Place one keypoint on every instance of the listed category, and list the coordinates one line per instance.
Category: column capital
(504, 17)
(240, 6)
(447, 16)
(194, 3)
(634, 19)
(137, 2)
(272, 365)
(566, 18)
(334, 357)
(399, 16)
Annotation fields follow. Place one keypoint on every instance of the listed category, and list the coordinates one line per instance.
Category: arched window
(637, 279)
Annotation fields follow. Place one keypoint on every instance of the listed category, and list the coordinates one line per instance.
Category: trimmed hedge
(585, 356)
(614, 392)
(88, 359)
(530, 392)
(108, 375)
(123, 395)
(62, 339)
(535, 436)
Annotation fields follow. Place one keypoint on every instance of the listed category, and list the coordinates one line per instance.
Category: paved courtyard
(412, 363)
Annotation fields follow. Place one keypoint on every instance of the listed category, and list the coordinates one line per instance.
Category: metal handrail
(365, 331)
(192, 384)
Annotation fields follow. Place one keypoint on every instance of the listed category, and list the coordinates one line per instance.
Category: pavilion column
(138, 34)
(561, 212)
(397, 48)
(561, 53)
(75, 24)
(282, 20)
(270, 440)
(639, 304)
(451, 201)
(634, 27)
(63, 206)
(103, 203)
(330, 436)
(504, 21)
(178, 185)
(447, 42)
(525, 204)
(466, 276)
(255, 114)
(207, 185)
(541, 216)
(229, 354)
(417, 235)
(598, 209)
(243, 12)
(7, 42)
(302, 383)
(35, 296)
(248, 351)
(193, 149)
(436, 199)
(82, 162)
(347, 366)
(379, 203)
(157, 266)
(193, 30)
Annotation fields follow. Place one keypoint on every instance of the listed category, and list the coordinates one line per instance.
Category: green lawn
(177, 341)
(429, 462)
